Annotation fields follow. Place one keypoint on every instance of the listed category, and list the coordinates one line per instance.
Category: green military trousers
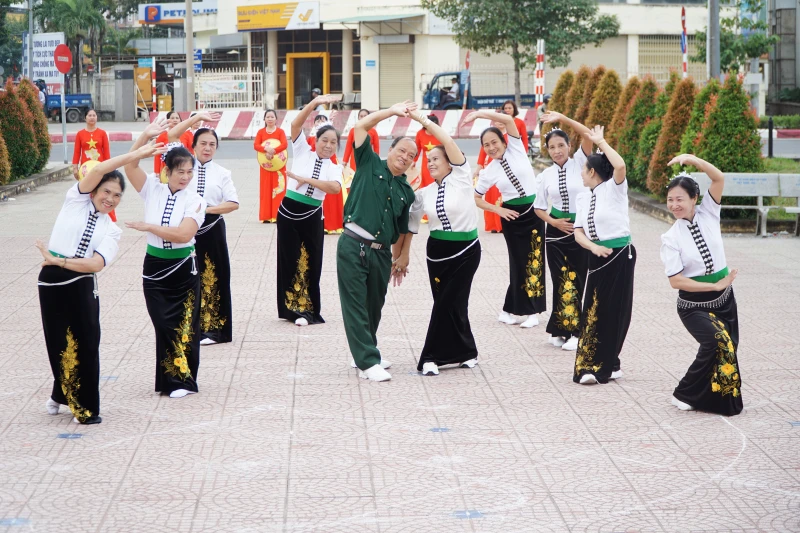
(362, 292)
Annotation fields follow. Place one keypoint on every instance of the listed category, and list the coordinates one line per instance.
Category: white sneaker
(430, 369)
(530, 321)
(683, 406)
(588, 379)
(470, 363)
(52, 406)
(207, 341)
(384, 363)
(571, 345)
(506, 318)
(375, 373)
(616, 374)
(558, 342)
(301, 322)
(180, 393)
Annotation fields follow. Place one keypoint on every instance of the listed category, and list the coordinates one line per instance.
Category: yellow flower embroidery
(715, 387)
(299, 300)
(725, 379)
(568, 285)
(587, 345)
(176, 364)
(571, 274)
(209, 303)
(563, 269)
(568, 311)
(534, 285)
(70, 383)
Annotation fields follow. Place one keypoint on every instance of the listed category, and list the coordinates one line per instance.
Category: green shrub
(689, 139)
(16, 126)
(557, 103)
(651, 132)
(575, 94)
(673, 126)
(641, 111)
(789, 122)
(582, 113)
(30, 95)
(604, 102)
(5, 164)
(621, 110)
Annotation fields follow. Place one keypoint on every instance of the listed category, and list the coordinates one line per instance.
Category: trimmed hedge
(642, 109)
(689, 139)
(669, 141)
(582, 113)
(5, 164)
(621, 111)
(651, 132)
(575, 94)
(30, 95)
(557, 103)
(604, 101)
(16, 126)
(780, 122)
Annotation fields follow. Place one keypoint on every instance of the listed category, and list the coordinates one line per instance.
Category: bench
(744, 185)
(790, 188)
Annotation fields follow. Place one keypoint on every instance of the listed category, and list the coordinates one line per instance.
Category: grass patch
(781, 165)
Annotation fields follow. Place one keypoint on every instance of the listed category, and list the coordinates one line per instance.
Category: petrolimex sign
(173, 13)
(284, 16)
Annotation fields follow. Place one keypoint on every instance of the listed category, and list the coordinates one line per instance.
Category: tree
(651, 132)
(5, 164)
(557, 101)
(691, 135)
(30, 95)
(575, 94)
(582, 112)
(620, 112)
(741, 37)
(16, 122)
(11, 45)
(669, 140)
(642, 109)
(513, 26)
(604, 101)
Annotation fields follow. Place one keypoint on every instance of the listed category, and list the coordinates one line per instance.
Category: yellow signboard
(284, 16)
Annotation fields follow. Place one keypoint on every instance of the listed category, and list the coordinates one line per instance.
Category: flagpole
(684, 43)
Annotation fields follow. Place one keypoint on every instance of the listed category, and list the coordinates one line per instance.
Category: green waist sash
(712, 278)
(176, 253)
(58, 255)
(303, 199)
(620, 242)
(525, 200)
(557, 213)
(454, 235)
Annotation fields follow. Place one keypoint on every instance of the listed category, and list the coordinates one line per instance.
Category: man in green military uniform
(375, 218)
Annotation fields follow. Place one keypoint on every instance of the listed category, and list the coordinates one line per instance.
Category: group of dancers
(573, 218)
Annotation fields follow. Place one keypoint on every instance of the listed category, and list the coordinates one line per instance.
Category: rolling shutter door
(396, 73)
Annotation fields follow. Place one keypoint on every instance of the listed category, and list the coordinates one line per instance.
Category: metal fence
(658, 54)
(229, 88)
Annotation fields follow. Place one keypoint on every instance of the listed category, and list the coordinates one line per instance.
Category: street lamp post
(187, 25)
(713, 39)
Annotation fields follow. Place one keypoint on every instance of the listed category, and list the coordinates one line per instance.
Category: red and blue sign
(152, 13)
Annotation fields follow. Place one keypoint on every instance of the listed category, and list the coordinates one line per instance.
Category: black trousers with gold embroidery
(173, 304)
(300, 242)
(449, 339)
(568, 264)
(214, 264)
(713, 382)
(607, 311)
(71, 323)
(526, 293)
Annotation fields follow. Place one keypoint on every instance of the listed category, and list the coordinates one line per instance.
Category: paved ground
(283, 436)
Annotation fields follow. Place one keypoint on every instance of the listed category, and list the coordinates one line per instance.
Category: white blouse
(81, 230)
(561, 186)
(603, 211)
(449, 206)
(162, 208)
(214, 183)
(695, 248)
(307, 164)
(513, 174)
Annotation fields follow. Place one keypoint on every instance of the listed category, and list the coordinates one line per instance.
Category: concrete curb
(16, 188)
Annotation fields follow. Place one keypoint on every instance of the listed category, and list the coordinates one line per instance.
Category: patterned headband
(684, 174)
(169, 147)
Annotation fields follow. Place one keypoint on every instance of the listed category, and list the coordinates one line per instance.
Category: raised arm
(136, 175)
(362, 127)
(92, 179)
(717, 177)
(174, 135)
(506, 120)
(595, 136)
(454, 153)
(302, 116)
(554, 116)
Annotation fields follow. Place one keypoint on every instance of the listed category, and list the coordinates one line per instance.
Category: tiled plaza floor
(283, 436)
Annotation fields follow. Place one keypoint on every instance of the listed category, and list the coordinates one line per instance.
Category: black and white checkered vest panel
(165, 218)
(86, 238)
(702, 247)
(562, 189)
(440, 212)
(201, 179)
(314, 175)
(512, 178)
(590, 220)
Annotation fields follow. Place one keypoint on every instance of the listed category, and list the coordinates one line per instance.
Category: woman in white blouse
(83, 242)
(694, 261)
(522, 229)
(559, 187)
(602, 227)
(453, 252)
(300, 224)
(172, 216)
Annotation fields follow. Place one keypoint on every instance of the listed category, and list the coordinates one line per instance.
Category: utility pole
(187, 26)
(30, 40)
(713, 39)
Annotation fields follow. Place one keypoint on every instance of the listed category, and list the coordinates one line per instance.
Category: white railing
(229, 88)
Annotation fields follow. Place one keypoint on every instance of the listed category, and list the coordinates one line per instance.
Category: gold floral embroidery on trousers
(175, 363)
(70, 383)
(725, 378)
(568, 304)
(534, 280)
(297, 298)
(281, 185)
(587, 345)
(209, 299)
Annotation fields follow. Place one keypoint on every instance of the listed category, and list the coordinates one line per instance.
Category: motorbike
(534, 146)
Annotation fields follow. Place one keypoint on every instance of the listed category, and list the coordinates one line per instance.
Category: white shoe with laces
(207, 341)
(571, 345)
(375, 373)
(588, 379)
(470, 363)
(683, 406)
(558, 342)
(430, 369)
(506, 318)
(530, 321)
(616, 374)
(301, 322)
(180, 393)
(52, 406)
(384, 363)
